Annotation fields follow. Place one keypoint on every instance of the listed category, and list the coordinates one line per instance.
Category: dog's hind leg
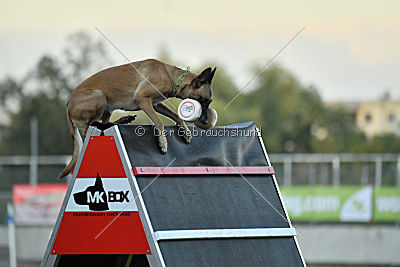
(164, 110)
(105, 117)
(86, 129)
(146, 105)
(87, 106)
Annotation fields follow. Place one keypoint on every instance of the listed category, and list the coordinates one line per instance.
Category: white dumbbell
(190, 110)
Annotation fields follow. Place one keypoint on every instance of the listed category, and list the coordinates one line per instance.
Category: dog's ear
(98, 181)
(203, 77)
(211, 75)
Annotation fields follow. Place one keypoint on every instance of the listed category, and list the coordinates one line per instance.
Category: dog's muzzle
(204, 112)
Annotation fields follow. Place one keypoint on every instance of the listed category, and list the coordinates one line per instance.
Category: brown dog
(141, 85)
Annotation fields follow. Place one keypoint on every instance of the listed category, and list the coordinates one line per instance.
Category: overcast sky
(349, 50)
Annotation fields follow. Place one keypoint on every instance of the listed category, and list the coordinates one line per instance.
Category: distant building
(380, 117)
(373, 118)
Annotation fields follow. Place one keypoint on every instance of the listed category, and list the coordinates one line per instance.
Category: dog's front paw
(162, 143)
(185, 133)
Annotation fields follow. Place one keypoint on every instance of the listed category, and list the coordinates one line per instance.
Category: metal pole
(398, 172)
(324, 174)
(378, 171)
(33, 163)
(336, 171)
(311, 175)
(364, 173)
(11, 235)
(287, 171)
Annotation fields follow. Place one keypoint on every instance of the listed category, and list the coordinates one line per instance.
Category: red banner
(38, 205)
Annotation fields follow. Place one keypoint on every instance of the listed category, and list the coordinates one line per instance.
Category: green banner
(387, 204)
(346, 204)
(342, 204)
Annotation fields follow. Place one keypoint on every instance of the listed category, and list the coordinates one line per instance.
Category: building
(380, 117)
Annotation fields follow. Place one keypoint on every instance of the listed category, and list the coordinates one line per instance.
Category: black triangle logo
(94, 196)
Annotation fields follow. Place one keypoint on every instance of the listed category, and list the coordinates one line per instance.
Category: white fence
(335, 163)
(325, 168)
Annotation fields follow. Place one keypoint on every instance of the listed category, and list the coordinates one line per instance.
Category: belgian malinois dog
(141, 85)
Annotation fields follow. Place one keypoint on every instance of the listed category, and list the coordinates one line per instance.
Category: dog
(141, 85)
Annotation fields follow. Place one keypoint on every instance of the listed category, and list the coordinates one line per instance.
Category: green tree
(43, 93)
(53, 131)
(287, 110)
(292, 116)
(342, 133)
(389, 143)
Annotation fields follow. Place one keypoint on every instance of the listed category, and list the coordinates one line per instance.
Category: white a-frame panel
(155, 259)
(279, 194)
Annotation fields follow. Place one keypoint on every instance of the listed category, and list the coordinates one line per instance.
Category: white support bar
(11, 236)
(224, 233)
(287, 171)
(336, 171)
(398, 172)
(378, 171)
(33, 162)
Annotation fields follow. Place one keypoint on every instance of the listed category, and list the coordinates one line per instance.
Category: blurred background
(328, 106)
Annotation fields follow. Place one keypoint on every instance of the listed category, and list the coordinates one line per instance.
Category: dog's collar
(180, 80)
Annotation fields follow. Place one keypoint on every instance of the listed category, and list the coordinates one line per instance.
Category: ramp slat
(224, 233)
(206, 170)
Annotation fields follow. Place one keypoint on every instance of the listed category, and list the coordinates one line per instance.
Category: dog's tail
(77, 147)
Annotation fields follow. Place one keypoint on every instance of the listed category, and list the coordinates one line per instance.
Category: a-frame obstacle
(213, 202)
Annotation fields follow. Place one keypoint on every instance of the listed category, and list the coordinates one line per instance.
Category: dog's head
(200, 89)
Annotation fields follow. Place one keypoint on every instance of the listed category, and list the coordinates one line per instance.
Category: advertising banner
(387, 204)
(344, 204)
(38, 205)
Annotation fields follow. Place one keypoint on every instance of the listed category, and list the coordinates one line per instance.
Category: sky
(349, 50)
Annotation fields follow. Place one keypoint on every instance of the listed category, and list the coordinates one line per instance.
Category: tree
(292, 116)
(43, 93)
(287, 110)
(53, 130)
